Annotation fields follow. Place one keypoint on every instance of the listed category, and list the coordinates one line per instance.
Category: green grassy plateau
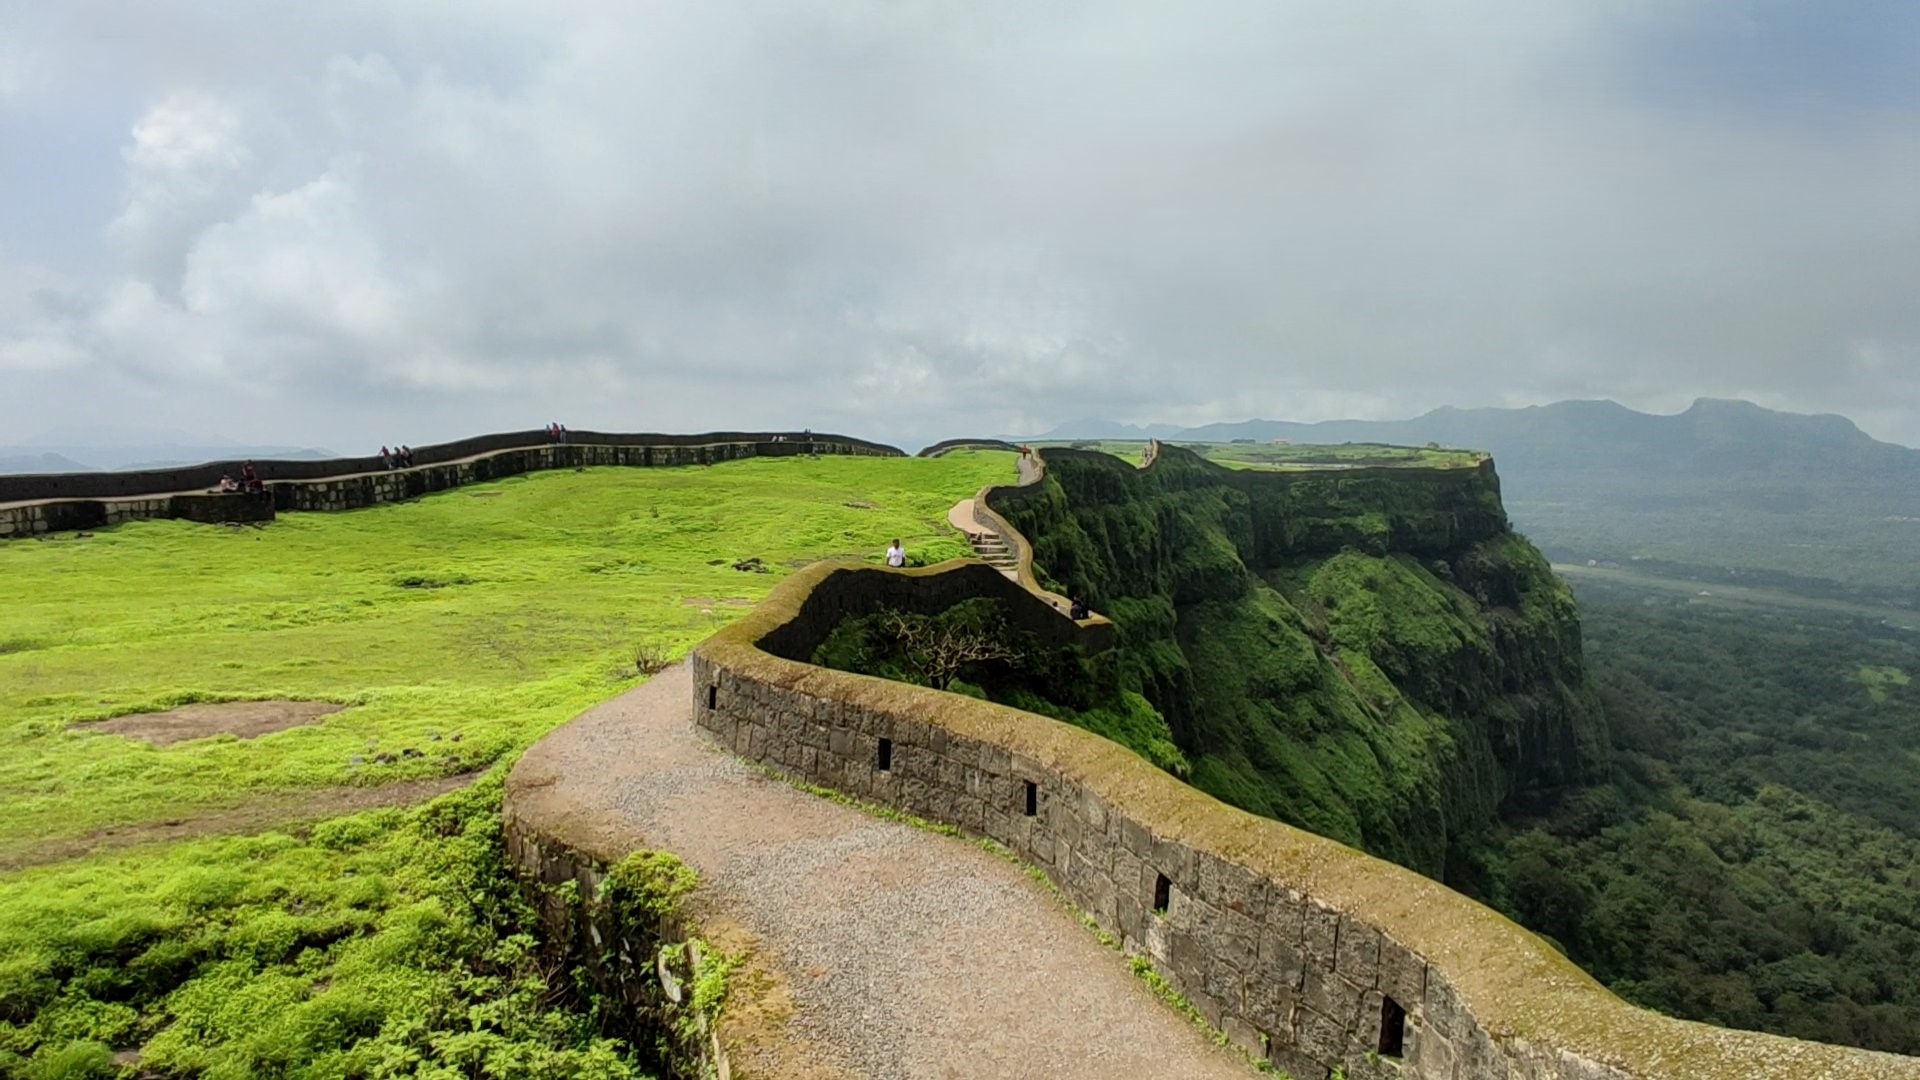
(1297, 456)
(457, 630)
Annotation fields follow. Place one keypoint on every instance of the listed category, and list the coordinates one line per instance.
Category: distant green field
(458, 629)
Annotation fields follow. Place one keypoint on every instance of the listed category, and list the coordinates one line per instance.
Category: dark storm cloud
(914, 219)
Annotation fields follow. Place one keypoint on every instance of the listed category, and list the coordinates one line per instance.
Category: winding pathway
(891, 952)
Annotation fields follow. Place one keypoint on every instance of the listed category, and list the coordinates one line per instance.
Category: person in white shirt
(896, 555)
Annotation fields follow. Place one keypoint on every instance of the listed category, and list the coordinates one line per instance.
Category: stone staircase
(993, 551)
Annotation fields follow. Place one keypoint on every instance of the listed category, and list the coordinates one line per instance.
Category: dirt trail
(272, 810)
(893, 952)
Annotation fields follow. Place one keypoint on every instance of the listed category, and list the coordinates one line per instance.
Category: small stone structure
(620, 959)
(34, 505)
(1302, 950)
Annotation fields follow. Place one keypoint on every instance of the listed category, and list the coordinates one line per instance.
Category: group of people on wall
(396, 459)
(249, 481)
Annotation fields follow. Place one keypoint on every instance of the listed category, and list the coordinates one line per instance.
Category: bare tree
(940, 651)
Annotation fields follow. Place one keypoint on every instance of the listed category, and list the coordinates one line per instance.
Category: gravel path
(903, 953)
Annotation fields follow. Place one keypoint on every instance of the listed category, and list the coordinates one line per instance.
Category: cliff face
(1367, 653)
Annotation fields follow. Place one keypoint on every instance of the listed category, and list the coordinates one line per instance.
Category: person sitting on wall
(250, 479)
(386, 459)
(227, 483)
(563, 434)
(896, 555)
(406, 457)
(1078, 611)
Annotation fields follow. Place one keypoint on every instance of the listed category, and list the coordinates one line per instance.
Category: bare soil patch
(273, 810)
(246, 719)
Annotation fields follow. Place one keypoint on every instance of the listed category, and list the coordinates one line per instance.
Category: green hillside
(1369, 654)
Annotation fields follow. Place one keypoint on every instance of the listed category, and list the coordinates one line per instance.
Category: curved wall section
(350, 483)
(1300, 949)
(122, 485)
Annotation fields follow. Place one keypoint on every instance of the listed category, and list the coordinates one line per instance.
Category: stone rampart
(343, 484)
(122, 485)
(1302, 950)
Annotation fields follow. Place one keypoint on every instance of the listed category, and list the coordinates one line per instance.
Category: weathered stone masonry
(1300, 949)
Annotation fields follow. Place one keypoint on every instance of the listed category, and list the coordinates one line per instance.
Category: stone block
(1321, 1038)
(1480, 1058)
(1320, 934)
(1243, 891)
(1403, 975)
(1440, 1008)
(1270, 1000)
(1243, 1036)
(1236, 941)
(1357, 953)
(1429, 1055)
(1204, 1004)
(1129, 916)
(1134, 837)
(1093, 812)
(1175, 860)
(1293, 1060)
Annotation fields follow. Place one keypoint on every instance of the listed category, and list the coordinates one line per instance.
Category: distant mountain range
(90, 450)
(1725, 484)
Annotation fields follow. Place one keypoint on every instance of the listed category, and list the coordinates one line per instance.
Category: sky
(355, 223)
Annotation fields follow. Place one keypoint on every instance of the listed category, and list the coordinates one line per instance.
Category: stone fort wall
(1301, 950)
(32, 505)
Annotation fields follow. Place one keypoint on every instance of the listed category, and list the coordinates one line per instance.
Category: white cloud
(186, 165)
(928, 219)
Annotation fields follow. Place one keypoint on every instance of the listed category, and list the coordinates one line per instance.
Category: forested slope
(1754, 858)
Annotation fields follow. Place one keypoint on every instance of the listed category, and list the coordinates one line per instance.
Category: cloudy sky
(349, 223)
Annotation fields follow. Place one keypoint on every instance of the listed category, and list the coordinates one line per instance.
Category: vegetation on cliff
(1367, 653)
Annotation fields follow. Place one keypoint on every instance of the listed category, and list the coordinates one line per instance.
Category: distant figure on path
(406, 457)
(1079, 611)
(896, 555)
(227, 483)
(251, 479)
(386, 459)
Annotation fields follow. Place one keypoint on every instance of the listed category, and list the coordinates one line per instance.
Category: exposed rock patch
(245, 719)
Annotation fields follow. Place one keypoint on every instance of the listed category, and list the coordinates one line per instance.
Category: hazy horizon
(366, 223)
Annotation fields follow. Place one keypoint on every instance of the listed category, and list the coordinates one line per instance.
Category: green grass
(492, 613)
(389, 943)
(1881, 681)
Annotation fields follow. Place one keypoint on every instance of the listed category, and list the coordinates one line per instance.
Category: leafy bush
(269, 956)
